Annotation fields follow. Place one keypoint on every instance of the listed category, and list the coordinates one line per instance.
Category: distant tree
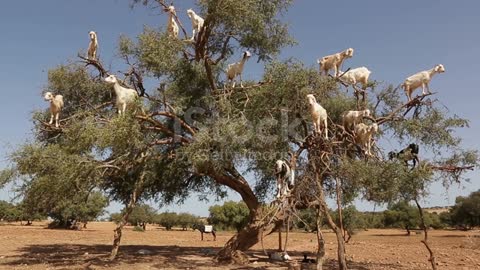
(446, 218)
(434, 221)
(186, 220)
(68, 212)
(402, 215)
(115, 217)
(168, 220)
(141, 215)
(466, 211)
(8, 212)
(352, 221)
(306, 220)
(230, 215)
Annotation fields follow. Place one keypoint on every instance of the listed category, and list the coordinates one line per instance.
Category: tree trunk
(320, 241)
(342, 262)
(425, 239)
(252, 232)
(117, 233)
(246, 238)
(339, 205)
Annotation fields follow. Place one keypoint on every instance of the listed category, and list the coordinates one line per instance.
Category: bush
(230, 215)
(466, 211)
(138, 229)
(168, 220)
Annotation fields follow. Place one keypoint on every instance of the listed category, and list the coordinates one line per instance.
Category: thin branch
(96, 63)
(414, 102)
(165, 8)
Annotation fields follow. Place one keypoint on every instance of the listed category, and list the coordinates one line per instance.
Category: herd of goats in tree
(352, 121)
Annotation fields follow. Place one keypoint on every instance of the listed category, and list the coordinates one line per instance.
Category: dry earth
(34, 247)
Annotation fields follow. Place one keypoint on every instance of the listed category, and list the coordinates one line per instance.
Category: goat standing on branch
(364, 136)
(351, 118)
(407, 154)
(354, 76)
(422, 79)
(285, 177)
(236, 69)
(334, 61)
(197, 22)
(319, 116)
(172, 26)
(124, 95)
(92, 46)
(56, 105)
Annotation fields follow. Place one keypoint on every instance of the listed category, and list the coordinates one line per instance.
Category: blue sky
(394, 39)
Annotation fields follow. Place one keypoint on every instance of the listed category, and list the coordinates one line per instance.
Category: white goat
(364, 136)
(236, 69)
(422, 79)
(319, 115)
(351, 118)
(334, 61)
(356, 75)
(172, 26)
(124, 95)
(285, 177)
(92, 46)
(197, 22)
(56, 105)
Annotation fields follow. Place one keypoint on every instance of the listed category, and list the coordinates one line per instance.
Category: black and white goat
(285, 177)
(406, 154)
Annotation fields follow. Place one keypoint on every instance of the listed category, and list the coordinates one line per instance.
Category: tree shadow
(393, 234)
(161, 257)
(329, 264)
(457, 236)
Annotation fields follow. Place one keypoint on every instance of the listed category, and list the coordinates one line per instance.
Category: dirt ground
(34, 247)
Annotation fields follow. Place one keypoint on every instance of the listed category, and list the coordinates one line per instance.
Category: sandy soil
(34, 247)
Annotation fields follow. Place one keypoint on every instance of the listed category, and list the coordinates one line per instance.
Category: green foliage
(307, 220)
(402, 215)
(230, 215)
(186, 220)
(115, 217)
(84, 209)
(138, 229)
(155, 50)
(352, 219)
(168, 220)
(9, 212)
(142, 214)
(466, 211)
(446, 219)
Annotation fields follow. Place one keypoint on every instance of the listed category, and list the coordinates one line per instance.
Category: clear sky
(394, 39)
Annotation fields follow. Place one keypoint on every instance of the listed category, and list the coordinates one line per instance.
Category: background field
(33, 247)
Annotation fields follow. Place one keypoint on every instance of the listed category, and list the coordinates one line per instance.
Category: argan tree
(189, 133)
